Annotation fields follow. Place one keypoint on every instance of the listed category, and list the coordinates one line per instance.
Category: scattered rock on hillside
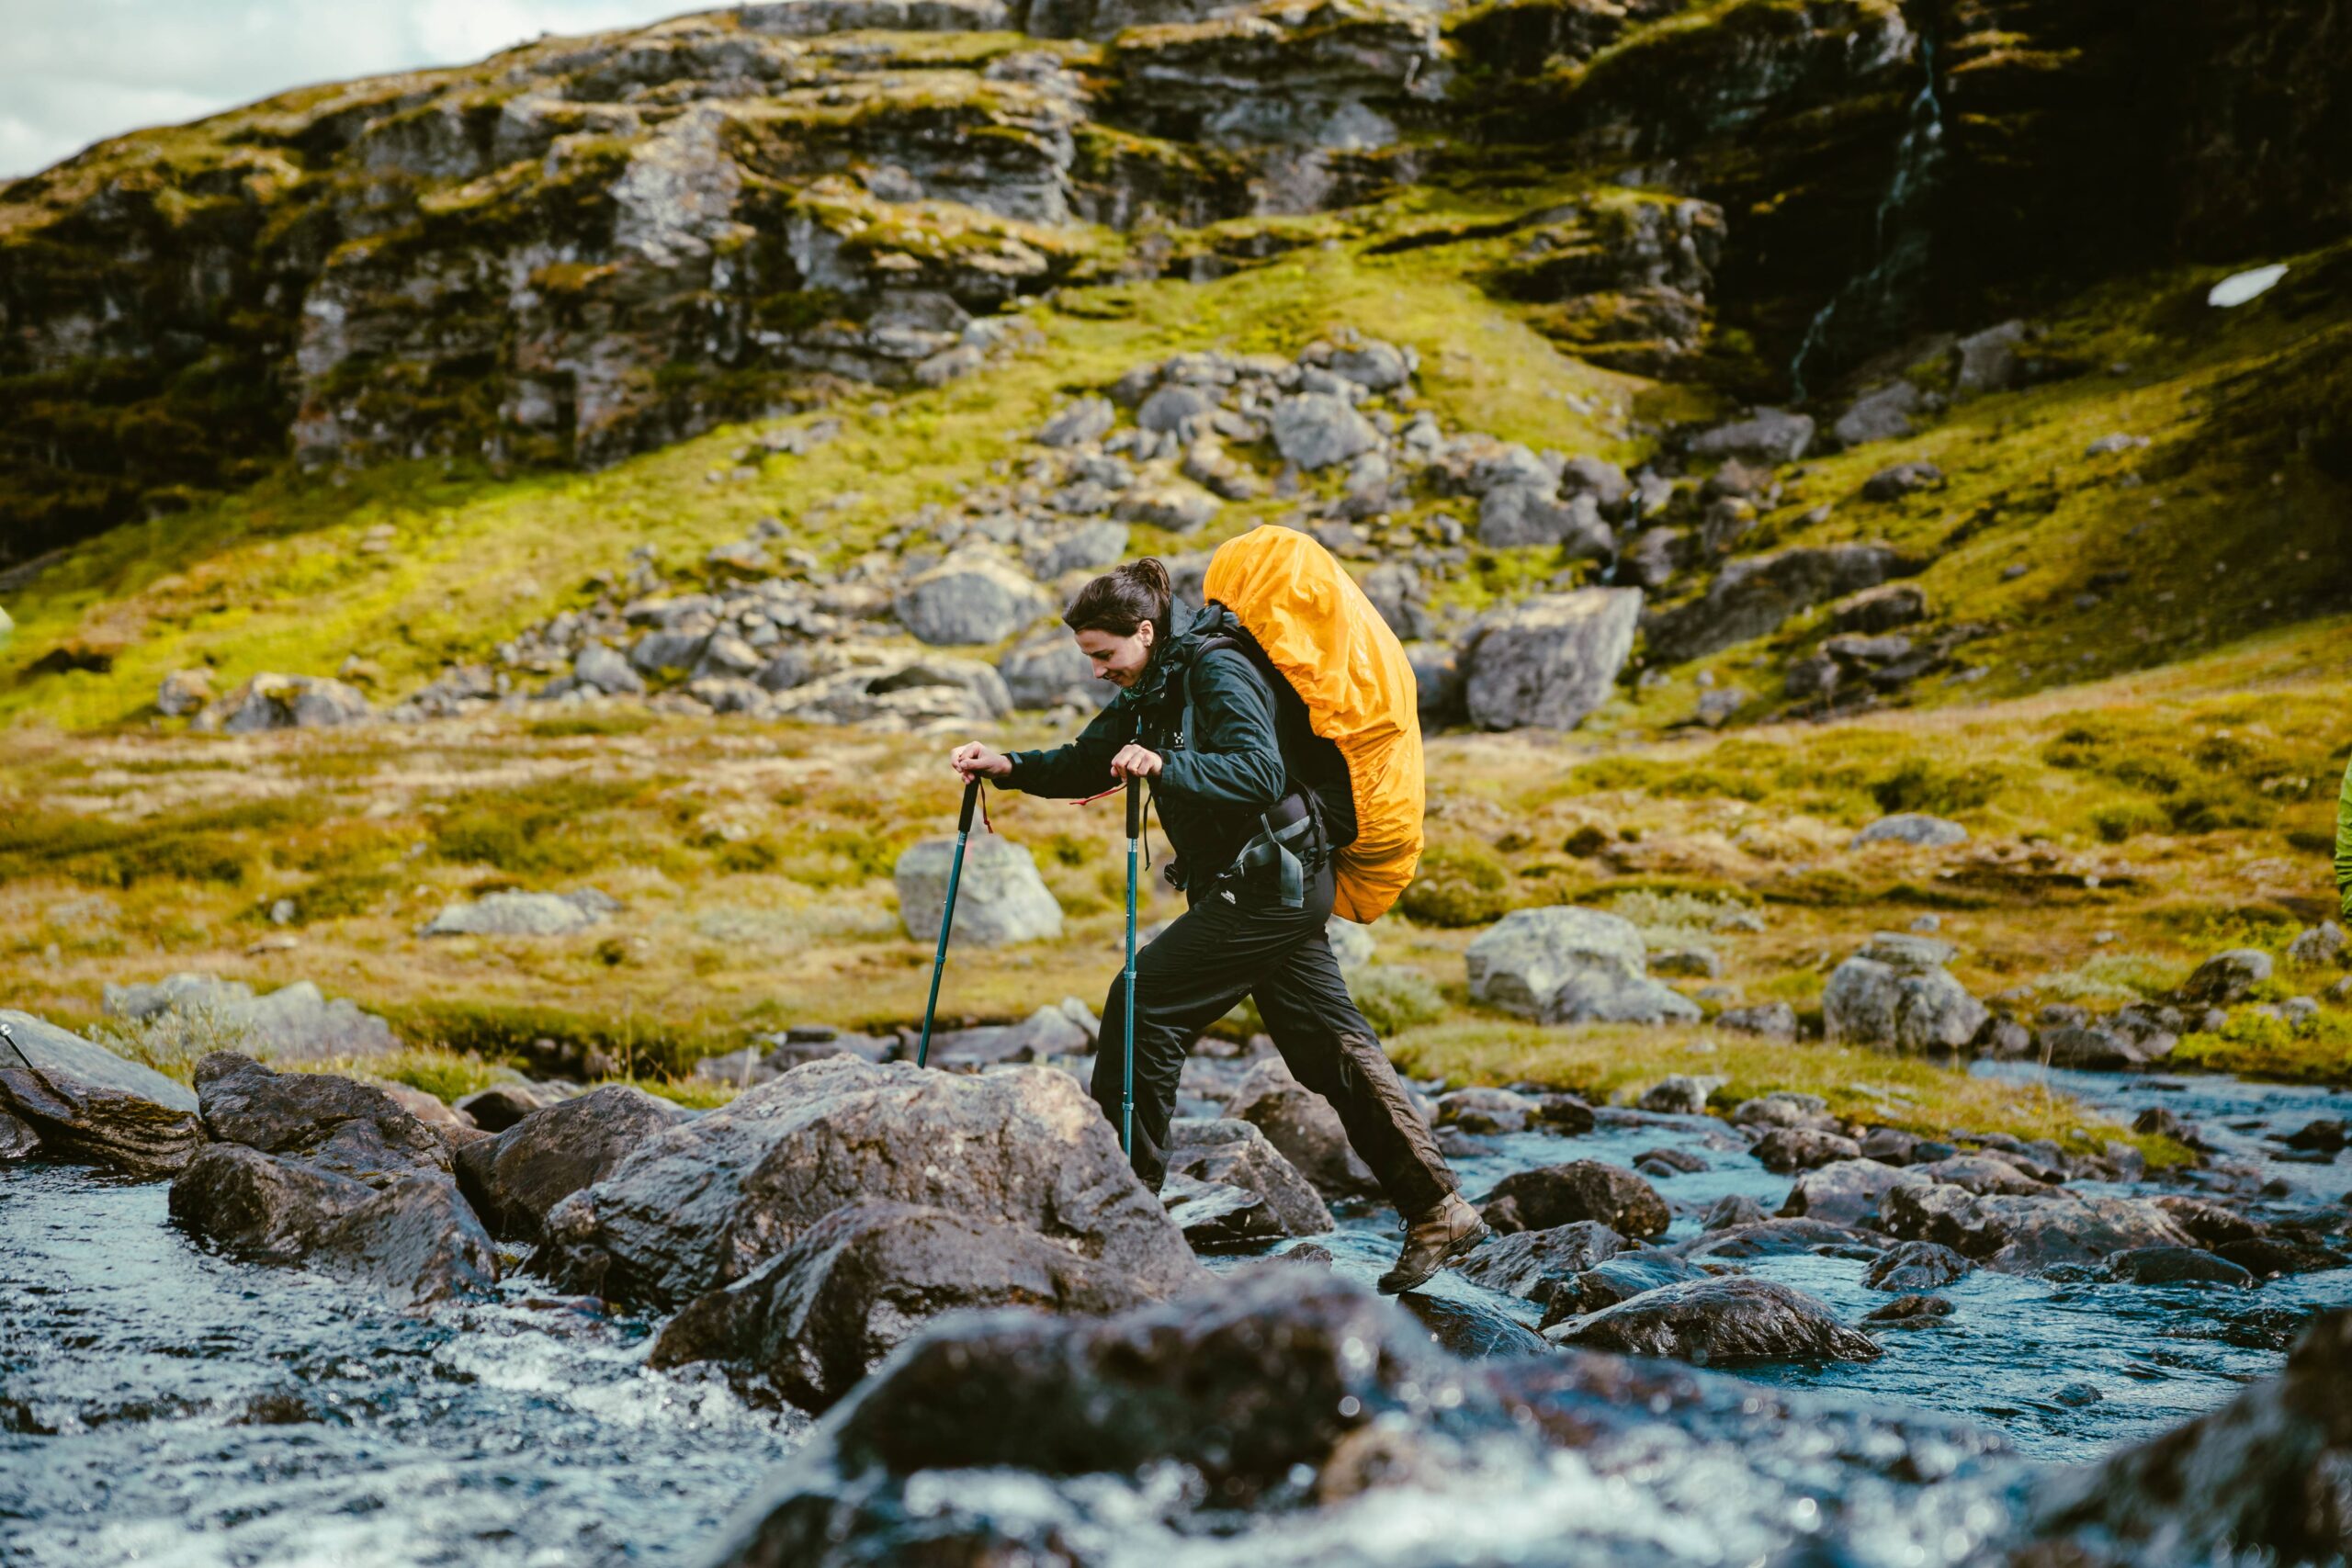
(1088, 419)
(1549, 660)
(1555, 1195)
(1875, 611)
(1720, 1321)
(818, 1316)
(1565, 964)
(1774, 1020)
(1770, 436)
(1315, 430)
(1897, 994)
(2226, 978)
(1533, 514)
(1001, 899)
(1049, 671)
(294, 1022)
(285, 701)
(1883, 413)
(84, 1103)
(1901, 479)
(1755, 595)
(971, 597)
(2322, 946)
(514, 1179)
(603, 668)
(705, 1203)
(1912, 827)
(182, 693)
(523, 914)
(1988, 359)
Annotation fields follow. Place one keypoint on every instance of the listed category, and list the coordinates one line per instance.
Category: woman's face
(1118, 660)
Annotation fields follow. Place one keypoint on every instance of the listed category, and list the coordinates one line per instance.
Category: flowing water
(162, 1406)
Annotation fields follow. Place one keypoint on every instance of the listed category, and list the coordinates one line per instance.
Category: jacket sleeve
(1075, 771)
(2343, 846)
(1233, 760)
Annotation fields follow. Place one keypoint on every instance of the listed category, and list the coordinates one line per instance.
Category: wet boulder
(1915, 1266)
(1484, 1112)
(1303, 1127)
(17, 1140)
(1565, 964)
(1470, 1327)
(1614, 1280)
(818, 1316)
(1803, 1148)
(514, 1179)
(410, 1239)
(1535, 1265)
(84, 1103)
(1217, 1216)
(338, 1125)
(1001, 899)
(1555, 1195)
(1549, 660)
(2024, 1234)
(1843, 1192)
(258, 1206)
(1730, 1211)
(2268, 1257)
(1910, 1311)
(1780, 1238)
(706, 1202)
(1719, 1322)
(2259, 1480)
(1895, 993)
(2175, 1266)
(1979, 1173)
(1237, 1153)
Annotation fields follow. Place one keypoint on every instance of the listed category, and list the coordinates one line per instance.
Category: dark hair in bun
(1123, 599)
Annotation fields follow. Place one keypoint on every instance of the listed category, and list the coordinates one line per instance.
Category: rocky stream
(165, 1396)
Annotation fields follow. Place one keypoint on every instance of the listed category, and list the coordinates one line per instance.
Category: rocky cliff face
(585, 247)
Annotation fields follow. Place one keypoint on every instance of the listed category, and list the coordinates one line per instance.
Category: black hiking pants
(1195, 972)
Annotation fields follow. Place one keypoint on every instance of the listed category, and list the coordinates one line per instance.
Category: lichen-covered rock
(293, 1023)
(1549, 660)
(1569, 965)
(1315, 430)
(818, 1316)
(703, 1204)
(1720, 1321)
(84, 1102)
(2226, 978)
(1896, 994)
(1000, 898)
(523, 914)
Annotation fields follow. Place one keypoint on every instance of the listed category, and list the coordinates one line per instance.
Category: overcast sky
(75, 72)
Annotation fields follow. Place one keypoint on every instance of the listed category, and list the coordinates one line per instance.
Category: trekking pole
(948, 916)
(10, 1036)
(1127, 1077)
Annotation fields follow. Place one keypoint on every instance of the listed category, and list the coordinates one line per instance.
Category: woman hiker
(1256, 925)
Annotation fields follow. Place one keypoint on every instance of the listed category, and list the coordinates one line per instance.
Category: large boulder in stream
(412, 1241)
(1535, 1264)
(1720, 1321)
(514, 1179)
(351, 1129)
(83, 1102)
(706, 1202)
(1303, 1127)
(2020, 1233)
(1237, 1153)
(1556, 1195)
(820, 1315)
(1844, 1192)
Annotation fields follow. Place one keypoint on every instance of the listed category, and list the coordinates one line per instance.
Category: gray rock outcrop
(1000, 899)
(1565, 964)
(971, 597)
(295, 1022)
(523, 914)
(1549, 660)
(515, 1178)
(1897, 993)
(1753, 595)
(285, 701)
(83, 1102)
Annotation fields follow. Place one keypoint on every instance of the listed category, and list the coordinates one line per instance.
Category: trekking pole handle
(1135, 808)
(971, 798)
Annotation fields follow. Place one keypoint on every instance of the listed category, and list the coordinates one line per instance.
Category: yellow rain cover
(1324, 635)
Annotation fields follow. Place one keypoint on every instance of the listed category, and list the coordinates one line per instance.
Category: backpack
(1322, 636)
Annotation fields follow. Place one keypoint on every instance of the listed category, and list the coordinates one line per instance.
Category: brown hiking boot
(1441, 1236)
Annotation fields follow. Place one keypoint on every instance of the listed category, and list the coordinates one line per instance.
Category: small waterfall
(1901, 240)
